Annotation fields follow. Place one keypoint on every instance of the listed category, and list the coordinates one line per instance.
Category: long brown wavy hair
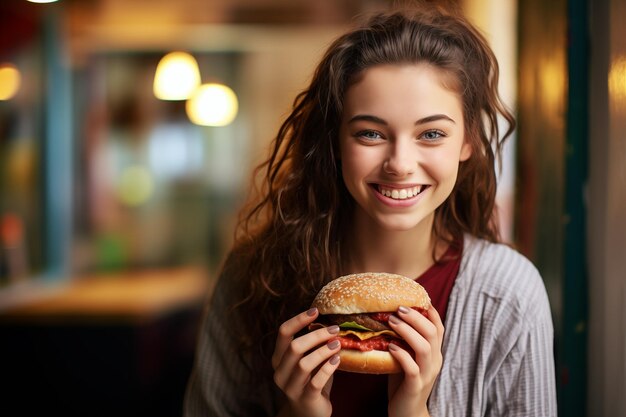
(289, 238)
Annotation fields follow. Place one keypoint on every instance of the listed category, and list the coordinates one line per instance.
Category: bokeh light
(177, 76)
(212, 105)
(135, 186)
(10, 81)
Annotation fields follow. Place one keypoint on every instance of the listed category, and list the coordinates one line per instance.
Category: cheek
(443, 164)
(357, 161)
(352, 171)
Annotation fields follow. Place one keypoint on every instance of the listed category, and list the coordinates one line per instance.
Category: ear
(466, 151)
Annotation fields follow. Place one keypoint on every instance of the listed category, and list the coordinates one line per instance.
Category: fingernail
(403, 310)
(393, 346)
(333, 344)
(393, 319)
(334, 360)
(333, 329)
(311, 312)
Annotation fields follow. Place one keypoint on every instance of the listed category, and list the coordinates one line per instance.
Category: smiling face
(401, 141)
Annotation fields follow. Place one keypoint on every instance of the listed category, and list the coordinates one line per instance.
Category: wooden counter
(125, 296)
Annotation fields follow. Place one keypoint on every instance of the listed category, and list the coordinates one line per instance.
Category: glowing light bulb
(42, 1)
(212, 105)
(10, 80)
(177, 76)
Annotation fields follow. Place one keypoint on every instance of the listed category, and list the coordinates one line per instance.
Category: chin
(403, 223)
(370, 214)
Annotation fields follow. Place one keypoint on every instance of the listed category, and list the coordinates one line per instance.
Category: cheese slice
(367, 335)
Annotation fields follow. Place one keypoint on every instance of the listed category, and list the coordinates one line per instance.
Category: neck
(405, 252)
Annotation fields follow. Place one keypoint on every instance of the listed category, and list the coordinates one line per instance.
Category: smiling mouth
(401, 193)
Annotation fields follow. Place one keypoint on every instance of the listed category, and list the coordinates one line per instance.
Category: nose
(401, 159)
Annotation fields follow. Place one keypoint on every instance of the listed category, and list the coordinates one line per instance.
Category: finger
(287, 331)
(408, 364)
(422, 324)
(320, 380)
(418, 332)
(434, 317)
(435, 338)
(298, 348)
(298, 363)
(306, 365)
(411, 328)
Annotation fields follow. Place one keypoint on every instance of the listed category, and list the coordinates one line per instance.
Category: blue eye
(369, 135)
(432, 135)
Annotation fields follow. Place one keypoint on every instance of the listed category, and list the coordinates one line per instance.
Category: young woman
(386, 164)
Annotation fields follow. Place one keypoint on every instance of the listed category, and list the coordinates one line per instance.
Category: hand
(304, 366)
(409, 391)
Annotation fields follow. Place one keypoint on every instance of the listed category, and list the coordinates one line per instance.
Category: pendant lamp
(212, 105)
(177, 76)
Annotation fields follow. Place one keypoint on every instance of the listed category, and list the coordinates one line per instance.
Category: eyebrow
(375, 119)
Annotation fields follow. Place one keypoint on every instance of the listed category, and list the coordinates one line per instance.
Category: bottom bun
(369, 362)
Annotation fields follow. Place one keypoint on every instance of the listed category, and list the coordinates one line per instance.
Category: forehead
(445, 77)
(414, 89)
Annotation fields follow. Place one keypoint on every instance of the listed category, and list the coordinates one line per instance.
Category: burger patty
(365, 320)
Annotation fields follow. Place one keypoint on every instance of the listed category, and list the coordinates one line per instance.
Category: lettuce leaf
(353, 325)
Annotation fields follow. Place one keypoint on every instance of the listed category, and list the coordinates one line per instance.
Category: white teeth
(400, 194)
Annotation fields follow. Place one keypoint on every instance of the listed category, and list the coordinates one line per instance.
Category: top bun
(370, 292)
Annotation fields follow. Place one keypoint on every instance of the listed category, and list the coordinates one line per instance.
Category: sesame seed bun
(370, 292)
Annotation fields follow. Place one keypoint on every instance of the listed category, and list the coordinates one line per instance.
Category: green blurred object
(111, 253)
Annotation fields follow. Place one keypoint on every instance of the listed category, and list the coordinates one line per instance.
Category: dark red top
(366, 395)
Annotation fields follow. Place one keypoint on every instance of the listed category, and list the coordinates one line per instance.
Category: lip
(388, 201)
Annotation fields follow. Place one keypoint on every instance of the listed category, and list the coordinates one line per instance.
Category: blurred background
(128, 135)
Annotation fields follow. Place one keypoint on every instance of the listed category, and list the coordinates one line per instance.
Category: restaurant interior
(129, 134)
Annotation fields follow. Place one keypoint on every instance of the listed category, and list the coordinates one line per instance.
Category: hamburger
(360, 304)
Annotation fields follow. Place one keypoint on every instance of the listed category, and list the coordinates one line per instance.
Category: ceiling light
(212, 105)
(177, 76)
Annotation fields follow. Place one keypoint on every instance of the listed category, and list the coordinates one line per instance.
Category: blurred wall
(607, 208)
